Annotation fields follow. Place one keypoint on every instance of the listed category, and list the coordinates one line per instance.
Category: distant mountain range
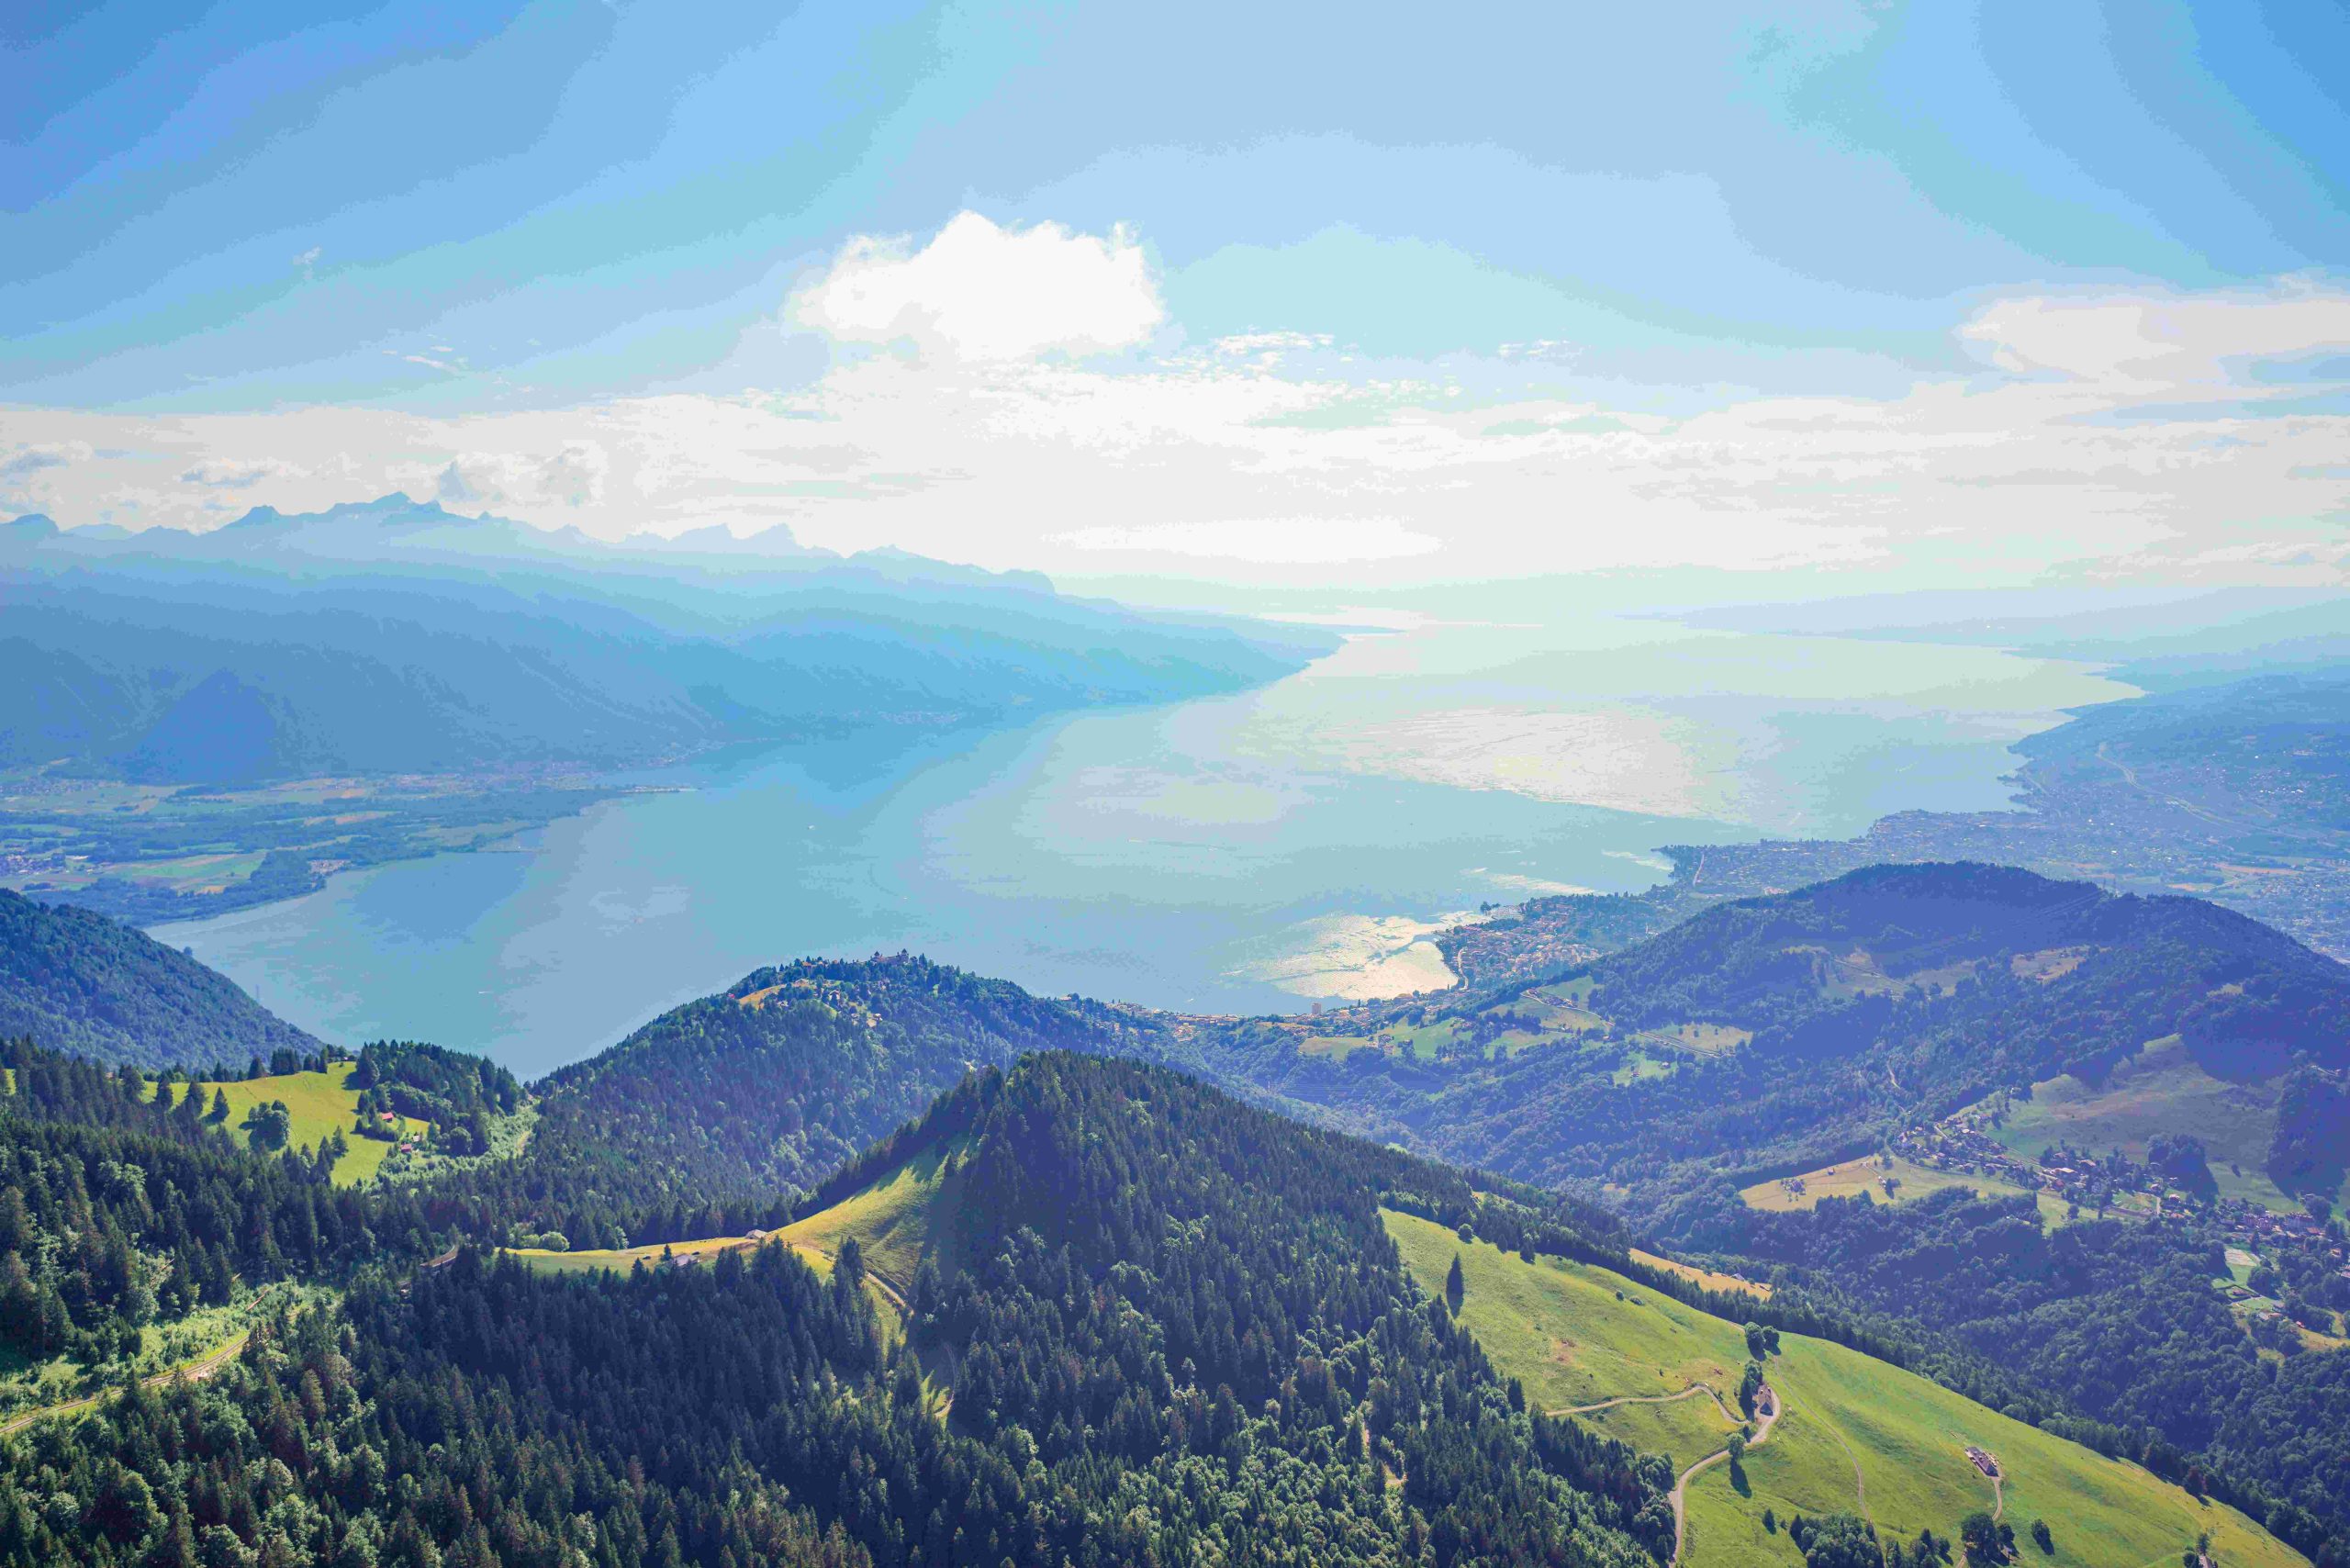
(394, 636)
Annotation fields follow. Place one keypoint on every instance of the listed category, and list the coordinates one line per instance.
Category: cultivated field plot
(1706, 1278)
(2161, 1089)
(1853, 1177)
(1856, 1434)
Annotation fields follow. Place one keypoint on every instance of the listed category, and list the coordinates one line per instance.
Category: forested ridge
(1948, 1006)
(1170, 1323)
(1181, 1336)
(719, 1114)
(77, 980)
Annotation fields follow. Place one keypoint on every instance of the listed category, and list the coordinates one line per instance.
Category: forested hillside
(715, 1115)
(1775, 1033)
(117, 1213)
(1182, 1335)
(1123, 1314)
(78, 982)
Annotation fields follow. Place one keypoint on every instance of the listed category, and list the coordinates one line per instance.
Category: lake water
(1242, 853)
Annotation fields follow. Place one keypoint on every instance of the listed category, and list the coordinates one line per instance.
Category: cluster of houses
(1958, 1144)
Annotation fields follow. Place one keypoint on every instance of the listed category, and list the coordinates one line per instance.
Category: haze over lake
(1232, 854)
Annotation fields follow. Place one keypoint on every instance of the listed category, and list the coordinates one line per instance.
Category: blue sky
(467, 240)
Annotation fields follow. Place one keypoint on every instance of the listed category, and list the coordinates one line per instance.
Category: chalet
(1983, 1462)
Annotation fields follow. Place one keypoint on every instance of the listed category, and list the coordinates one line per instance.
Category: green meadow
(317, 1105)
(896, 1223)
(1867, 1174)
(1856, 1434)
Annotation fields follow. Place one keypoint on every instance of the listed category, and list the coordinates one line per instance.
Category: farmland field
(1855, 1435)
(2161, 1089)
(1706, 1278)
(1867, 1175)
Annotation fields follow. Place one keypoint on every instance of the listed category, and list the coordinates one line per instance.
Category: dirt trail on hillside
(1763, 1425)
(1860, 1481)
(196, 1370)
(1689, 1392)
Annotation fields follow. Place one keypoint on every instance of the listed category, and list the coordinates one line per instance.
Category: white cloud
(2112, 433)
(2164, 343)
(1283, 541)
(980, 292)
(576, 475)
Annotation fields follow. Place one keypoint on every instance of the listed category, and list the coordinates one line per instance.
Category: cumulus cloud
(576, 475)
(2164, 343)
(982, 292)
(2117, 433)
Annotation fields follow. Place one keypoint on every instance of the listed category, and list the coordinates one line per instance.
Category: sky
(1914, 296)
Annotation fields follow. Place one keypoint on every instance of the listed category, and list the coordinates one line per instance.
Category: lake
(1242, 853)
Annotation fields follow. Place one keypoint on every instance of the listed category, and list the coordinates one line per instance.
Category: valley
(974, 786)
(979, 1185)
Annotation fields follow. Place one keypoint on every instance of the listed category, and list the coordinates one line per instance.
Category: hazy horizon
(1928, 295)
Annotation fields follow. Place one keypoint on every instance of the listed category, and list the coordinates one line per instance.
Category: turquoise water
(1231, 854)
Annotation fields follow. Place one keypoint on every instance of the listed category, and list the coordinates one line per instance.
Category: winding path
(1689, 1392)
(1860, 1481)
(196, 1370)
(1763, 1425)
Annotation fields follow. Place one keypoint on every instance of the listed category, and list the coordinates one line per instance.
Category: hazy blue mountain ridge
(395, 637)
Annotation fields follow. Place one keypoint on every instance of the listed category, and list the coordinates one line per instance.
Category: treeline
(1183, 1336)
(116, 1212)
(720, 1114)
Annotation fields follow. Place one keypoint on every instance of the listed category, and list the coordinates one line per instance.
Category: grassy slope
(896, 1221)
(2159, 1090)
(320, 1102)
(1576, 1335)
